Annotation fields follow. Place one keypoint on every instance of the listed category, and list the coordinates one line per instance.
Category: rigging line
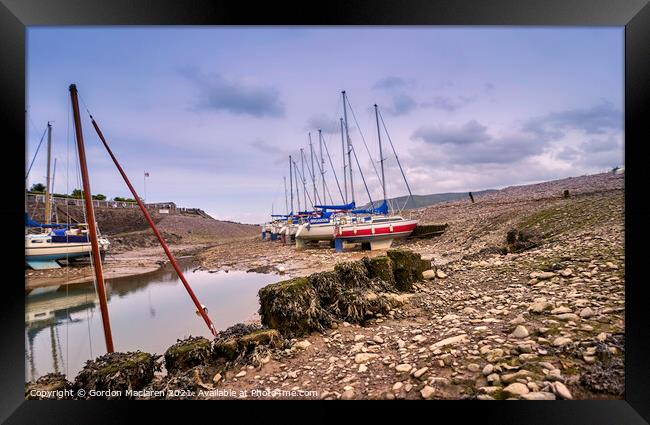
(333, 170)
(395, 153)
(312, 176)
(363, 138)
(372, 204)
(35, 153)
(300, 174)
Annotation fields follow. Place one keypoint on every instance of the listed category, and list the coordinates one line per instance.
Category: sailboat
(374, 226)
(47, 243)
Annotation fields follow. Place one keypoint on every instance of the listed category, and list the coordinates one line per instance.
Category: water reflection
(148, 312)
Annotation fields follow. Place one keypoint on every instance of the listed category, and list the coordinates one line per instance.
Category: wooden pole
(199, 307)
(92, 227)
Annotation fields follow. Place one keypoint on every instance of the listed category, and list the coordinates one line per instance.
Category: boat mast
(291, 182)
(92, 227)
(381, 155)
(48, 204)
(347, 136)
(286, 199)
(56, 214)
(313, 170)
(302, 176)
(345, 177)
(322, 162)
(295, 174)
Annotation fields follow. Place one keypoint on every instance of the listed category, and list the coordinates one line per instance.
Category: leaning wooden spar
(201, 310)
(92, 226)
(374, 226)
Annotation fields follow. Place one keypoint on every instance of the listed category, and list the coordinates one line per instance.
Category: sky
(213, 113)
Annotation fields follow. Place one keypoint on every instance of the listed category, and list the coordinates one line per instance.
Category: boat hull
(379, 235)
(316, 232)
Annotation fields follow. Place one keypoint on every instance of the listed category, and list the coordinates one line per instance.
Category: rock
(429, 274)
(488, 369)
(302, 344)
(55, 383)
(566, 272)
(397, 386)
(538, 396)
(347, 395)
(586, 313)
(512, 377)
(568, 317)
(427, 392)
(418, 373)
(365, 357)
(449, 317)
(440, 274)
(516, 389)
(539, 306)
(187, 353)
(241, 374)
(217, 378)
(561, 340)
(520, 332)
(560, 310)
(404, 367)
(562, 391)
(359, 337)
(517, 321)
(378, 339)
(449, 341)
(419, 338)
(473, 367)
(493, 378)
(362, 368)
(542, 275)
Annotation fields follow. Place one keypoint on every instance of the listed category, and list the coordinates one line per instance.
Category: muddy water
(63, 328)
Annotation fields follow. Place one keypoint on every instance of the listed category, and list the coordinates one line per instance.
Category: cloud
(390, 83)
(402, 104)
(598, 119)
(448, 103)
(239, 97)
(327, 124)
(470, 132)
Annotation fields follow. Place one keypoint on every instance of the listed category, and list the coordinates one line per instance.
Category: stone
(538, 396)
(347, 395)
(429, 274)
(418, 373)
(378, 339)
(473, 367)
(520, 332)
(516, 389)
(419, 338)
(517, 321)
(404, 367)
(539, 306)
(493, 378)
(217, 378)
(586, 313)
(488, 369)
(365, 357)
(449, 317)
(302, 344)
(561, 340)
(427, 392)
(449, 341)
(440, 274)
(359, 337)
(566, 272)
(568, 317)
(397, 386)
(560, 310)
(542, 275)
(512, 377)
(241, 374)
(562, 391)
(362, 368)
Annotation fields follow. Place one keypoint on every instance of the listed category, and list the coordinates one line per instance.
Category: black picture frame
(634, 15)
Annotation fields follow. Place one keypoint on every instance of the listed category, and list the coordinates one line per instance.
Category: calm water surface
(150, 312)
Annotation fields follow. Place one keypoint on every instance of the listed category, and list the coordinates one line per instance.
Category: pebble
(520, 332)
(241, 374)
(429, 274)
(516, 389)
(562, 391)
(404, 367)
(473, 367)
(365, 357)
(347, 395)
(427, 392)
(488, 369)
(418, 373)
(302, 344)
(586, 313)
(378, 339)
(561, 340)
(449, 341)
(397, 386)
(440, 274)
(538, 396)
